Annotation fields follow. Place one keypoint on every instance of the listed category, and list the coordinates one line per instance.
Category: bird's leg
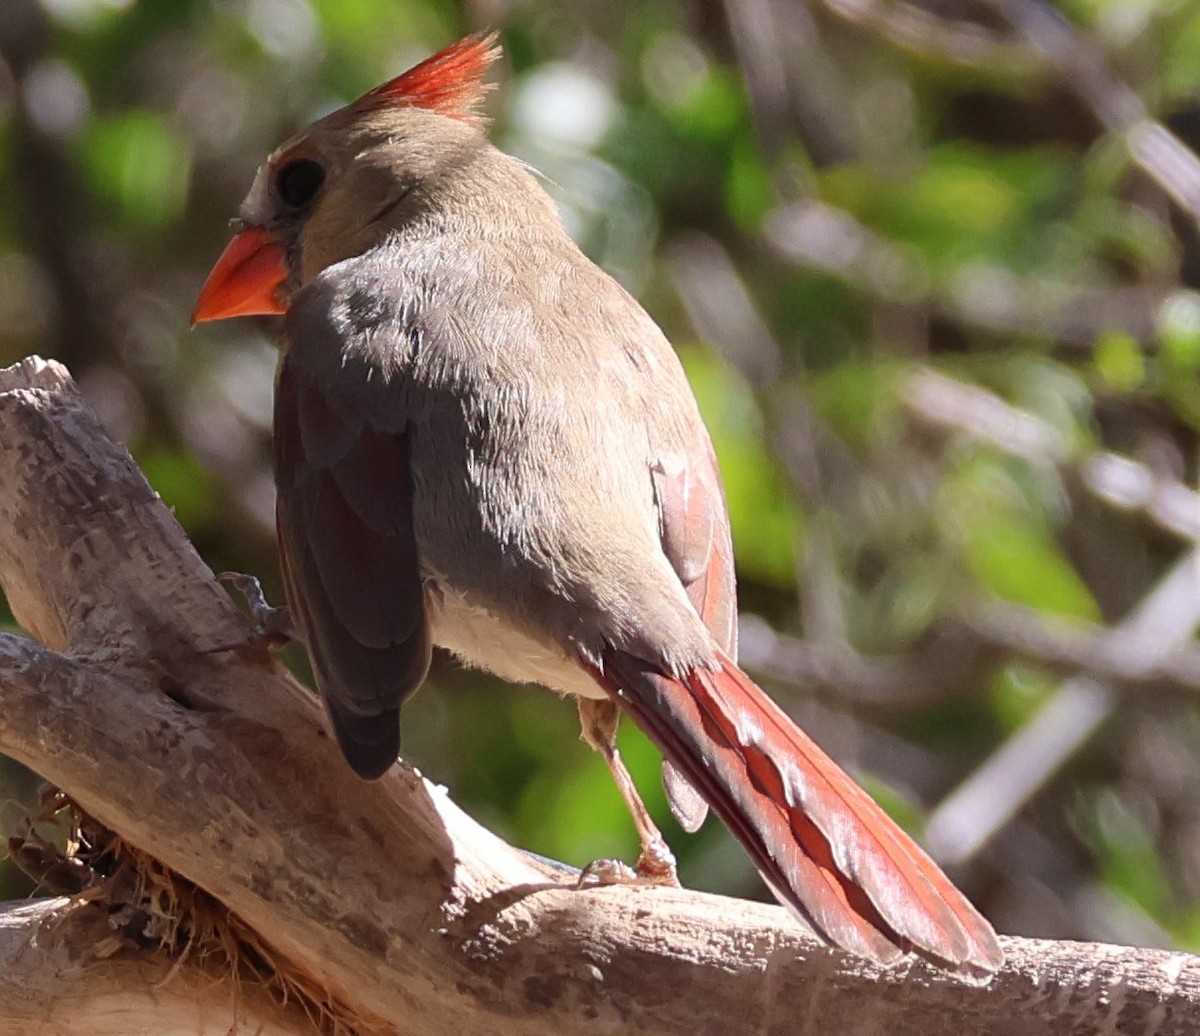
(598, 720)
(273, 625)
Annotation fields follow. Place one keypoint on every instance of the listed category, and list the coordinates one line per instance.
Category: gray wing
(348, 555)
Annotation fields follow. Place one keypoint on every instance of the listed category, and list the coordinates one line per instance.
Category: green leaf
(1017, 692)
(749, 191)
(995, 509)
(140, 166)
(965, 204)
(853, 396)
(1179, 329)
(1180, 58)
(1020, 563)
(1119, 360)
(714, 106)
(185, 486)
(1129, 858)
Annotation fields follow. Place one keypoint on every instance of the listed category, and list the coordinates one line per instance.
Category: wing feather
(351, 571)
(694, 529)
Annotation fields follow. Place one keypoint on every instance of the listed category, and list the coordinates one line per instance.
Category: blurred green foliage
(818, 209)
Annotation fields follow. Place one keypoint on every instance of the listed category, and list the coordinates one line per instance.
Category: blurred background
(933, 267)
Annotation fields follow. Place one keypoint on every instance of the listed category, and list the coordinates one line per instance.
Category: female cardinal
(483, 442)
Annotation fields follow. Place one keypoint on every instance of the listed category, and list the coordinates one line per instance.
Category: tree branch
(408, 915)
(63, 974)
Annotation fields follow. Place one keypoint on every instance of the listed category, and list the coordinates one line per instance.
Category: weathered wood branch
(385, 895)
(58, 979)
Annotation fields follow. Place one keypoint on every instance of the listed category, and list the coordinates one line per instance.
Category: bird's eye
(298, 182)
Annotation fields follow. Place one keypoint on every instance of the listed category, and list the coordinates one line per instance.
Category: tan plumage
(482, 441)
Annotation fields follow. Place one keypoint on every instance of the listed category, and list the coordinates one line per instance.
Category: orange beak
(246, 281)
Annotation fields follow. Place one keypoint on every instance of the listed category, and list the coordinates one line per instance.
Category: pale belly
(483, 641)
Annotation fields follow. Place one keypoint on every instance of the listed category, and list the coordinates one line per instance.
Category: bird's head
(338, 187)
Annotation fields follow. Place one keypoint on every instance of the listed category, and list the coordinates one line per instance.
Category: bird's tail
(820, 842)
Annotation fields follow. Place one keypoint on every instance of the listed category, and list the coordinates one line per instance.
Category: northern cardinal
(483, 442)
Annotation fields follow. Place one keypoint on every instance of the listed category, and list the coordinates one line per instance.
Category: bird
(483, 442)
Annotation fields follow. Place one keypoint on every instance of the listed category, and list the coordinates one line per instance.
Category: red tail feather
(825, 848)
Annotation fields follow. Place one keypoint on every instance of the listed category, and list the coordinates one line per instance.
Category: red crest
(449, 83)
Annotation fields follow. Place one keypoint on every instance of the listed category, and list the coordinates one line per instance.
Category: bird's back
(537, 420)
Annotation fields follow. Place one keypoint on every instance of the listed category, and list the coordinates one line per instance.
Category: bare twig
(821, 237)
(922, 31)
(980, 807)
(946, 661)
(1084, 68)
(1045, 41)
(957, 654)
(1081, 646)
(791, 79)
(943, 402)
(1147, 645)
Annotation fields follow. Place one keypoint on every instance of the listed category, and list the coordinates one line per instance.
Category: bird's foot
(272, 625)
(655, 866)
(607, 872)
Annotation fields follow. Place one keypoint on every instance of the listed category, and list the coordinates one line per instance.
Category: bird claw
(273, 625)
(607, 872)
(655, 866)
